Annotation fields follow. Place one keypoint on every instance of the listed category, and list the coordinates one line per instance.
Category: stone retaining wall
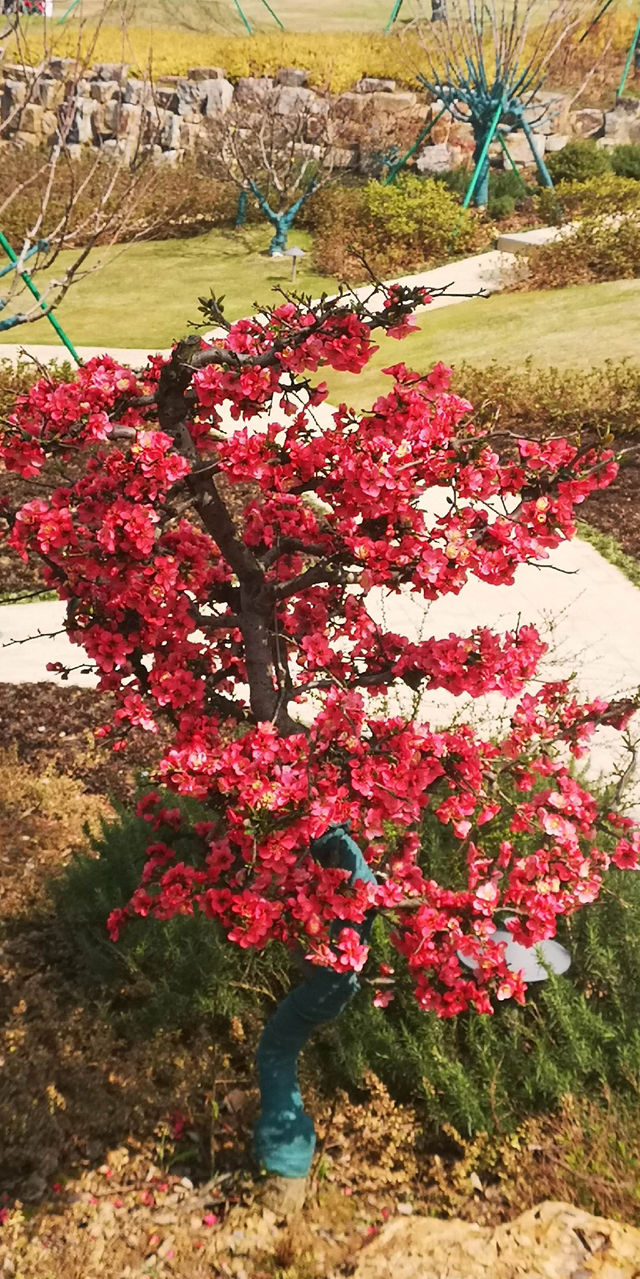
(116, 113)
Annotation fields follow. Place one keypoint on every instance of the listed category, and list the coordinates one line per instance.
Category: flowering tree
(220, 575)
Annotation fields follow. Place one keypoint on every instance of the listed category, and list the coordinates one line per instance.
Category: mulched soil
(53, 725)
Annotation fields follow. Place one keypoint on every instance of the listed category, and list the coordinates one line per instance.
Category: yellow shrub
(330, 59)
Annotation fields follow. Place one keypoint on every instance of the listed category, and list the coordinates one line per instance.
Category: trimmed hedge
(601, 248)
(608, 194)
(578, 161)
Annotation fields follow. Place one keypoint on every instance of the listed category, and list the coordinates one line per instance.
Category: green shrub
(411, 223)
(161, 974)
(625, 160)
(578, 1033)
(608, 194)
(507, 190)
(597, 249)
(532, 400)
(580, 160)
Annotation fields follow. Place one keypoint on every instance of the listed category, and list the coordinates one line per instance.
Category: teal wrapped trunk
(284, 1139)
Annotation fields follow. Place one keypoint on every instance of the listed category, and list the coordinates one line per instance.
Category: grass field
(222, 16)
(566, 328)
(147, 293)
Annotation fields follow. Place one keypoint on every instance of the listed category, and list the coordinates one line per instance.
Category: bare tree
(280, 158)
(56, 199)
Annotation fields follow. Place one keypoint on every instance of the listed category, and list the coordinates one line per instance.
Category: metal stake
(4, 243)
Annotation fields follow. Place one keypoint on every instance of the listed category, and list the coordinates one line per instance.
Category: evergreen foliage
(579, 1033)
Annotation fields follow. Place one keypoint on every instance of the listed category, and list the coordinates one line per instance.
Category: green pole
(394, 13)
(273, 14)
(393, 173)
(67, 13)
(483, 155)
(543, 171)
(627, 65)
(4, 243)
(243, 16)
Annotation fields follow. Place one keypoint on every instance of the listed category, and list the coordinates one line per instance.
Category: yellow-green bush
(601, 196)
(413, 223)
(331, 59)
(598, 249)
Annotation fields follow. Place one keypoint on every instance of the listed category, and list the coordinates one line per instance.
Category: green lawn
(147, 293)
(222, 16)
(577, 327)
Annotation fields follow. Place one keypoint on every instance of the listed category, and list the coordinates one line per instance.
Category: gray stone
(392, 103)
(340, 157)
(588, 123)
(14, 94)
(82, 128)
(63, 68)
(218, 96)
(111, 71)
(252, 91)
(370, 84)
(49, 93)
(349, 106)
(435, 159)
(23, 139)
(137, 92)
(166, 97)
(104, 90)
(31, 118)
(292, 77)
(520, 149)
(557, 141)
(290, 100)
(206, 73)
(190, 95)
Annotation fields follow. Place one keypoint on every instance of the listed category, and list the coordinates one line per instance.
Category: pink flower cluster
(170, 587)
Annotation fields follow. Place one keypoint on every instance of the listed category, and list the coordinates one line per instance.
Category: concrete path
(484, 273)
(588, 612)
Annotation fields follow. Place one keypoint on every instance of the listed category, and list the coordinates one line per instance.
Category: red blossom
(168, 594)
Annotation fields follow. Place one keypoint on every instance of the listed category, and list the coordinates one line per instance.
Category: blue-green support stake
(482, 161)
(627, 66)
(241, 211)
(284, 1138)
(393, 172)
(394, 14)
(67, 13)
(245, 20)
(545, 176)
(53, 321)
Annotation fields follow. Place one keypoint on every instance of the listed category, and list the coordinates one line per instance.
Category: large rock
(392, 103)
(206, 73)
(291, 100)
(588, 123)
(553, 1241)
(252, 91)
(292, 77)
(370, 84)
(623, 124)
(218, 96)
(105, 90)
(521, 151)
(111, 71)
(437, 159)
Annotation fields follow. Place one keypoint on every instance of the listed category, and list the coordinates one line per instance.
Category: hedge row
(330, 59)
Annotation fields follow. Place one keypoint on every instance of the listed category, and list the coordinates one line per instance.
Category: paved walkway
(588, 612)
(484, 273)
